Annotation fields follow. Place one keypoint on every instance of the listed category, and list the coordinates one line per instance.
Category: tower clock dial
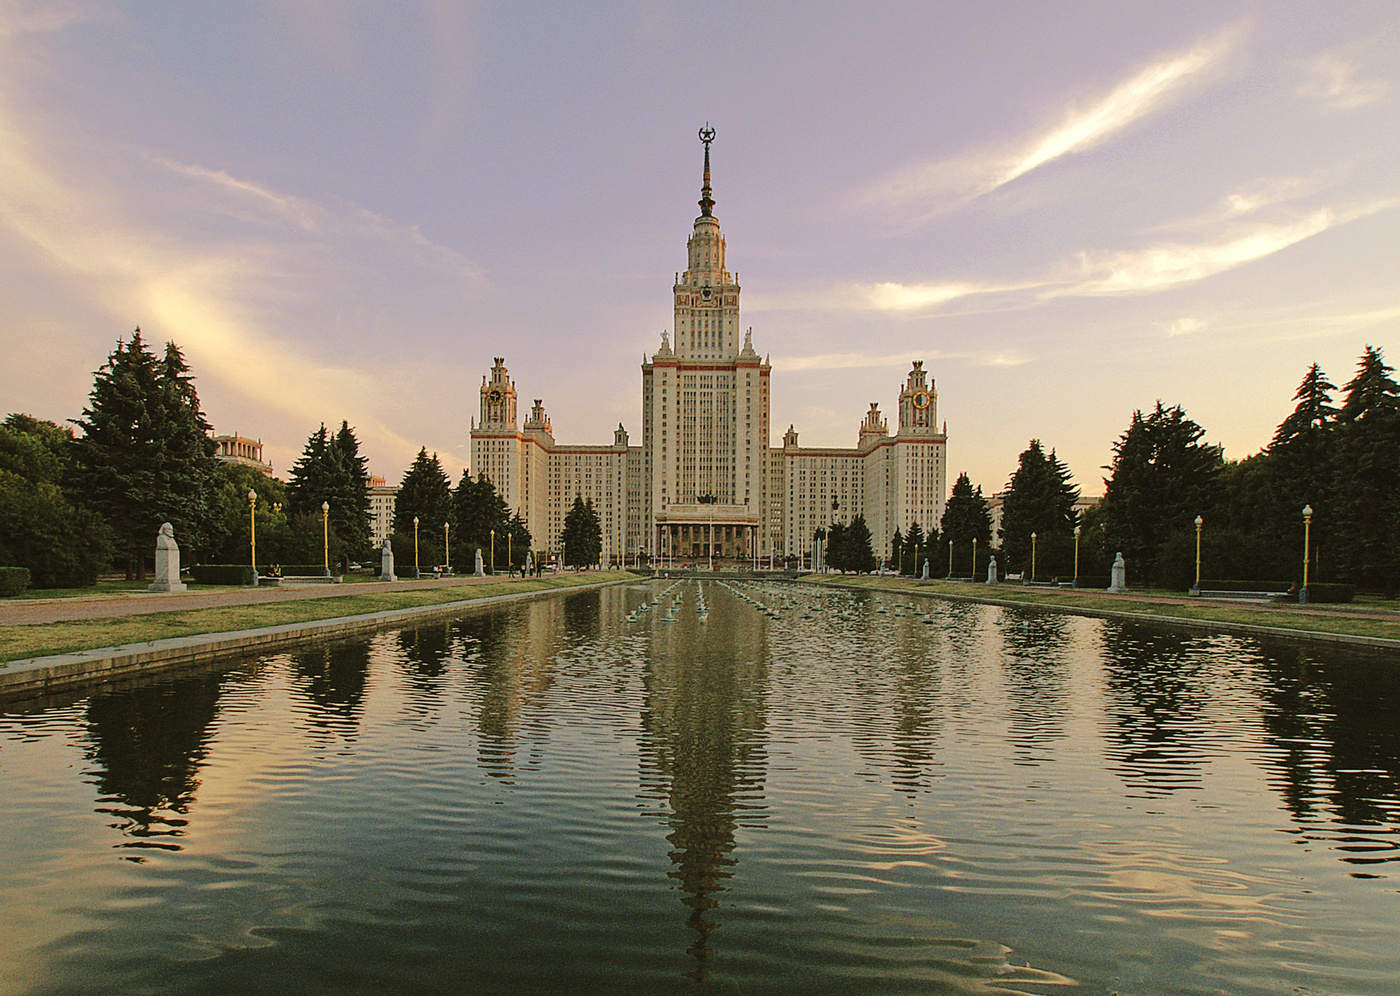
(921, 399)
(495, 396)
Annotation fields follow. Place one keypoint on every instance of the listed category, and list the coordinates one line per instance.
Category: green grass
(1369, 620)
(42, 640)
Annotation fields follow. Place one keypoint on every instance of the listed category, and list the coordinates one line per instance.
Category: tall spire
(707, 203)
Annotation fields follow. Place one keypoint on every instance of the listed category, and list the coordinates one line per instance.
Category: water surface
(755, 788)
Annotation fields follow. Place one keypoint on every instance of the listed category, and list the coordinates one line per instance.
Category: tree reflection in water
(148, 744)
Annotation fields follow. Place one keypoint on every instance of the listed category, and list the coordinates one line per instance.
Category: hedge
(1093, 581)
(239, 574)
(1273, 587)
(13, 580)
(1331, 593)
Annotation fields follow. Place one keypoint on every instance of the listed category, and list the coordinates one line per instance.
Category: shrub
(13, 580)
(1093, 581)
(240, 574)
(1331, 593)
(1276, 587)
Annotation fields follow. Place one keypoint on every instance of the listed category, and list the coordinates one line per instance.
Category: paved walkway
(29, 612)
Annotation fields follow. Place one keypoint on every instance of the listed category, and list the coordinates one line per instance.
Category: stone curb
(42, 675)
(1182, 622)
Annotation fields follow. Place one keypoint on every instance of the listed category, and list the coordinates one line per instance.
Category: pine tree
(520, 540)
(837, 556)
(916, 548)
(1039, 499)
(582, 535)
(965, 519)
(1162, 478)
(350, 514)
(896, 549)
(1302, 467)
(859, 555)
(424, 493)
(478, 508)
(1368, 475)
(145, 456)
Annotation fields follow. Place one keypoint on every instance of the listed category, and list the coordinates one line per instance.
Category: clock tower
(918, 404)
(497, 399)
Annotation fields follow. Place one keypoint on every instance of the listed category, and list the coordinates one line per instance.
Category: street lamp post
(326, 534)
(1076, 556)
(950, 560)
(253, 531)
(510, 560)
(1199, 522)
(493, 551)
(1032, 556)
(1307, 553)
(447, 545)
(974, 558)
(416, 572)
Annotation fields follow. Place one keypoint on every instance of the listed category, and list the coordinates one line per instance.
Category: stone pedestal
(167, 562)
(386, 562)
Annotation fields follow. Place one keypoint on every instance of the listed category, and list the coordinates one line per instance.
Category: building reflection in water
(147, 744)
(702, 749)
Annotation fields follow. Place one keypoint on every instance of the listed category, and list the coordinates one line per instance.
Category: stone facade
(705, 478)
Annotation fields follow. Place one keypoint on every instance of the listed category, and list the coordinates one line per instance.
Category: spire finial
(707, 203)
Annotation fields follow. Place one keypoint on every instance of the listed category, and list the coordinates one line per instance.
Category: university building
(705, 480)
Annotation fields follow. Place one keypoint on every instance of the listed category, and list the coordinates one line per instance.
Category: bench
(1262, 597)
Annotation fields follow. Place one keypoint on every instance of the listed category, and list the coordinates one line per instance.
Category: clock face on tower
(921, 399)
(495, 395)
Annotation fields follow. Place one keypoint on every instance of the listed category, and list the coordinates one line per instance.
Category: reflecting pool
(737, 787)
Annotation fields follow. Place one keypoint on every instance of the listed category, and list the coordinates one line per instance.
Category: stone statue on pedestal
(925, 574)
(386, 562)
(480, 566)
(1120, 574)
(992, 571)
(167, 562)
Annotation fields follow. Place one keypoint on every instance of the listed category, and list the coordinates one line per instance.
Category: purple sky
(344, 211)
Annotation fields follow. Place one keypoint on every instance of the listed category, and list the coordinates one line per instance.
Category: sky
(344, 211)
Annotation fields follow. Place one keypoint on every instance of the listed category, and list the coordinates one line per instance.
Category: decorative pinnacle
(707, 202)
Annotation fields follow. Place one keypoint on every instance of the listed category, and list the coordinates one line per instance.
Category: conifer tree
(1039, 499)
(425, 493)
(859, 556)
(1162, 477)
(145, 456)
(478, 508)
(1368, 474)
(916, 548)
(1302, 466)
(582, 535)
(896, 549)
(966, 518)
(350, 514)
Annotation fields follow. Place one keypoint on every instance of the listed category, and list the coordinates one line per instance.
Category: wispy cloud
(249, 281)
(950, 182)
(1334, 80)
(1164, 265)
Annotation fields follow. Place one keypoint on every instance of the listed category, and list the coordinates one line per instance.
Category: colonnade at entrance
(695, 540)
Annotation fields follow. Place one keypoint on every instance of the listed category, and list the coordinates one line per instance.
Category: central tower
(705, 408)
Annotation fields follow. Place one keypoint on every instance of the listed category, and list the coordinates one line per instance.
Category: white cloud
(1333, 80)
(949, 182)
(1184, 326)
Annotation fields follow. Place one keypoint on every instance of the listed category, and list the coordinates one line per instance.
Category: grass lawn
(1373, 618)
(22, 642)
